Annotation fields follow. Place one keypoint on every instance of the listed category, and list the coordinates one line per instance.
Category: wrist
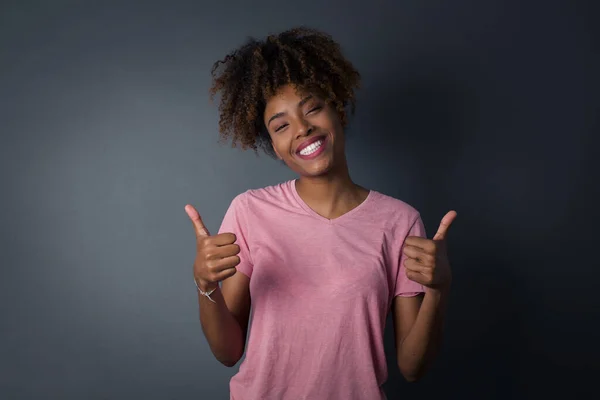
(206, 286)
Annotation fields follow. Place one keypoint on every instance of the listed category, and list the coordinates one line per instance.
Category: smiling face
(306, 132)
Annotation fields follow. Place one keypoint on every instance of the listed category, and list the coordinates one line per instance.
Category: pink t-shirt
(321, 290)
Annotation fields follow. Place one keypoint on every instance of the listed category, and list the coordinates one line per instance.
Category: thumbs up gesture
(216, 256)
(427, 259)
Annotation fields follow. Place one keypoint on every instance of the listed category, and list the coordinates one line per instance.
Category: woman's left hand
(427, 261)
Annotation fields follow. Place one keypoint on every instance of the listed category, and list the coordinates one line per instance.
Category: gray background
(485, 107)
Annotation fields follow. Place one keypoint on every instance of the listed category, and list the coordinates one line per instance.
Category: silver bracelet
(203, 293)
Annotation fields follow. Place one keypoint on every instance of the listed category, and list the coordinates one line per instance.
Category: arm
(225, 322)
(418, 321)
(418, 325)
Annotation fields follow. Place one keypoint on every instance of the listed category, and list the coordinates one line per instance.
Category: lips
(308, 142)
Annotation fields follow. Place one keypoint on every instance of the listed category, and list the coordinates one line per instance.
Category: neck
(331, 195)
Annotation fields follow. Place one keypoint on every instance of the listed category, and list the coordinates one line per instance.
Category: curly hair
(248, 76)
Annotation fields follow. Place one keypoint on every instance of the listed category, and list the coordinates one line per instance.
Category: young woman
(320, 259)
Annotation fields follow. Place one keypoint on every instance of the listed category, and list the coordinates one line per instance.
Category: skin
(324, 183)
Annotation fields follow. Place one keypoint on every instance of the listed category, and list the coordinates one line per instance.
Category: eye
(316, 108)
(280, 127)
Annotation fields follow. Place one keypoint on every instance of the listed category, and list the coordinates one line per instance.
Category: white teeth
(312, 148)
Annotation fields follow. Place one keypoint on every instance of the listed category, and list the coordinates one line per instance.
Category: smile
(314, 149)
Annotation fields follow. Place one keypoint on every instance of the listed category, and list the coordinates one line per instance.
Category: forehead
(286, 98)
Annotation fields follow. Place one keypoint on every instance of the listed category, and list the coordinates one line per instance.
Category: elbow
(228, 354)
(230, 360)
(411, 375)
(228, 363)
(411, 378)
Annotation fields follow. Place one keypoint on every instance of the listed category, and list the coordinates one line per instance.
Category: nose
(305, 128)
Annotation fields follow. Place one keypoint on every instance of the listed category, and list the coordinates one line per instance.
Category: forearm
(222, 331)
(421, 344)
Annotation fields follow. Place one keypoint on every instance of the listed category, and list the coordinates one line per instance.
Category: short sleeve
(236, 221)
(404, 286)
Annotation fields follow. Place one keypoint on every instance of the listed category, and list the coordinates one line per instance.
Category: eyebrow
(300, 104)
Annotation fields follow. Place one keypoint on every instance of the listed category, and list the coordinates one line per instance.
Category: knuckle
(210, 266)
(212, 274)
(230, 272)
(204, 241)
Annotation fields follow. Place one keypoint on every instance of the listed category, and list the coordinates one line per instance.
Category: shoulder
(395, 208)
(394, 204)
(397, 213)
(263, 196)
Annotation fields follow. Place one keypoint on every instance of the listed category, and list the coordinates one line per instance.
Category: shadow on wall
(418, 128)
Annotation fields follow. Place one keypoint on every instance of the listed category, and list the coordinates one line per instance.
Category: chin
(317, 170)
(315, 174)
(310, 171)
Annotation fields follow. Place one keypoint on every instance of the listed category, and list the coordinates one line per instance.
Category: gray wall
(107, 132)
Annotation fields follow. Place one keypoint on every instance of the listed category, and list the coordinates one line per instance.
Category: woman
(321, 259)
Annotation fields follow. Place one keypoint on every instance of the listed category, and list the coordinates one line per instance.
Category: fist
(427, 260)
(216, 256)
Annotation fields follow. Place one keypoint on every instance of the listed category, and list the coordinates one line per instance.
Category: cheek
(279, 147)
(333, 122)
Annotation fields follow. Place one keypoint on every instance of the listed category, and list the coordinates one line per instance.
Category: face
(306, 132)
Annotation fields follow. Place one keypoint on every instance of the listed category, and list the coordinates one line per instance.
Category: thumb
(445, 225)
(199, 227)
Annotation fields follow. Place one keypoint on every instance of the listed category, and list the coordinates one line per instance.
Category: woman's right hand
(216, 256)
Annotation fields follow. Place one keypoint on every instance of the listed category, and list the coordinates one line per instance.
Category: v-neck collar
(318, 216)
